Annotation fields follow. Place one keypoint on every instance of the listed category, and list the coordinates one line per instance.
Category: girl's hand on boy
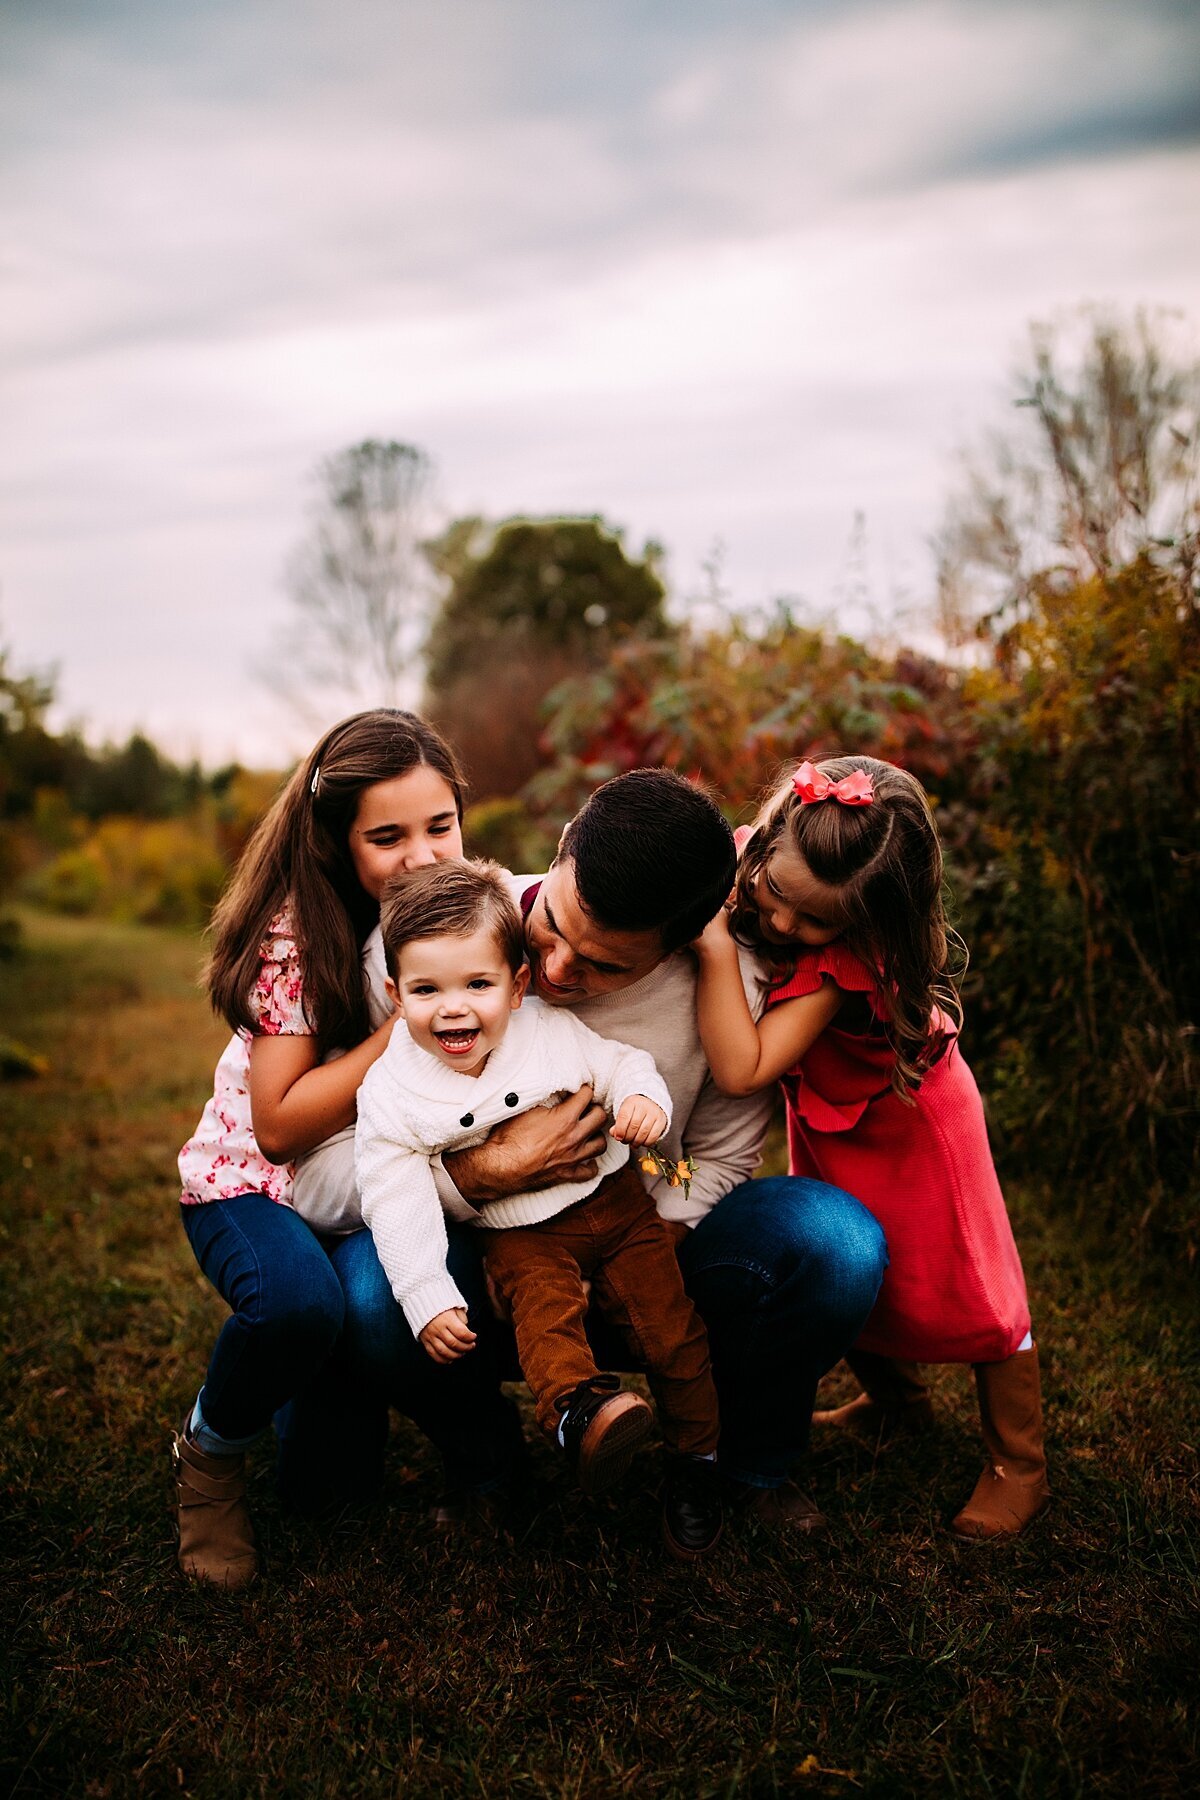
(639, 1121)
(715, 938)
(447, 1335)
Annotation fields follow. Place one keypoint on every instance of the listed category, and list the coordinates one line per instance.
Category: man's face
(574, 958)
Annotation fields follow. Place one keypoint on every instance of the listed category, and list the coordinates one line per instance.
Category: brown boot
(786, 1508)
(216, 1539)
(1012, 1489)
(894, 1398)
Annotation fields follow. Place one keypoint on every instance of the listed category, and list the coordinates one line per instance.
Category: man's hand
(537, 1149)
(447, 1335)
(639, 1121)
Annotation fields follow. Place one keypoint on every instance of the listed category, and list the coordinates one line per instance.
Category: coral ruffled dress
(954, 1290)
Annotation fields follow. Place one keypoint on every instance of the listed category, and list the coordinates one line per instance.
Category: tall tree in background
(1103, 470)
(528, 603)
(360, 584)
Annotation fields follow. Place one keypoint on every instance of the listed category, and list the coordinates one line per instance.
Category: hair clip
(855, 789)
(312, 786)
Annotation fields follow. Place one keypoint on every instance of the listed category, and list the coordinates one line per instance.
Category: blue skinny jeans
(784, 1272)
(316, 1340)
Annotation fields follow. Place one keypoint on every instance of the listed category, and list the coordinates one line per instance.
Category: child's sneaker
(601, 1426)
(692, 1515)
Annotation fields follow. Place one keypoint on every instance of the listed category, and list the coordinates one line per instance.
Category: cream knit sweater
(658, 1015)
(411, 1107)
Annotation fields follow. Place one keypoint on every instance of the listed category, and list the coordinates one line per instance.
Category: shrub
(1064, 779)
(164, 872)
(1077, 864)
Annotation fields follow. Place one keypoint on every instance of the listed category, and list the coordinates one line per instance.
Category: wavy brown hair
(886, 863)
(299, 857)
(450, 899)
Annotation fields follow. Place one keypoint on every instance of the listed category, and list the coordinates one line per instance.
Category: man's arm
(538, 1149)
(725, 1136)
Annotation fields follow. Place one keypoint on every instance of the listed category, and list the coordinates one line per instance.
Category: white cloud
(713, 273)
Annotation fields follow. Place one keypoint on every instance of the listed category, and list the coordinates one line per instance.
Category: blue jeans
(316, 1340)
(784, 1272)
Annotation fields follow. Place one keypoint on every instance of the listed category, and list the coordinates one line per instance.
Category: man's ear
(520, 986)
(390, 990)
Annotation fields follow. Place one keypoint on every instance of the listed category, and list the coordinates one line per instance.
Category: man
(783, 1270)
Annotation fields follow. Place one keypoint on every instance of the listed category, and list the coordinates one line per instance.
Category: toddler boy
(473, 1049)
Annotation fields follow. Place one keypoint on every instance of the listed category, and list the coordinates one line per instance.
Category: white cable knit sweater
(411, 1107)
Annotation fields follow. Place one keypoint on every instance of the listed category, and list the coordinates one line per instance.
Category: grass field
(571, 1659)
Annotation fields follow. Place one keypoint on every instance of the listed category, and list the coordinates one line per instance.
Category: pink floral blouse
(221, 1158)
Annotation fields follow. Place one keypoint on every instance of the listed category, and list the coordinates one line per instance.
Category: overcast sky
(717, 271)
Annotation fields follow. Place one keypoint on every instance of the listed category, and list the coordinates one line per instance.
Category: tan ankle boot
(894, 1398)
(216, 1539)
(1012, 1489)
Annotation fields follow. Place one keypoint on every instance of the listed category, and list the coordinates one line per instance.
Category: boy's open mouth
(457, 1043)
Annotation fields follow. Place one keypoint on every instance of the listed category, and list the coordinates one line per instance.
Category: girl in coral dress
(839, 889)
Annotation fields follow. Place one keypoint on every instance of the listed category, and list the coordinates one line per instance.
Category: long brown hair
(886, 863)
(299, 857)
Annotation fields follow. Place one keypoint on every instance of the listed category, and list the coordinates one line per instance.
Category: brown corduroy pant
(616, 1240)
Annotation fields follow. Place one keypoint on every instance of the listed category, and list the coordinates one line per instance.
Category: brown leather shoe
(602, 1425)
(216, 1539)
(1013, 1488)
(894, 1398)
(467, 1514)
(786, 1508)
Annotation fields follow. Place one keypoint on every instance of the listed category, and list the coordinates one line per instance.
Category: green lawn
(572, 1659)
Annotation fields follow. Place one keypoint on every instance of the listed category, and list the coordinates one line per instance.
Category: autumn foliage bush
(1077, 863)
(1064, 778)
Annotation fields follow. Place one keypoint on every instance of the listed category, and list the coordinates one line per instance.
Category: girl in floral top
(379, 794)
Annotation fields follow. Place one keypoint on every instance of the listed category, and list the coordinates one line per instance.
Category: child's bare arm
(297, 1101)
(743, 1056)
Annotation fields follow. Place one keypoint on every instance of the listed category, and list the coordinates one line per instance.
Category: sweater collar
(419, 1073)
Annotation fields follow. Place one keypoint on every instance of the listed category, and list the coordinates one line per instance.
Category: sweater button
(512, 1099)
(467, 1119)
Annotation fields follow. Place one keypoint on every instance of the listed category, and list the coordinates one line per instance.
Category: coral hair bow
(855, 789)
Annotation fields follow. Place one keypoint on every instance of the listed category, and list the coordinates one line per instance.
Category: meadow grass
(570, 1658)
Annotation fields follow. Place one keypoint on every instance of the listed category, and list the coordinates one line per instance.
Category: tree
(360, 584)
(528, 603)
(1104, 471)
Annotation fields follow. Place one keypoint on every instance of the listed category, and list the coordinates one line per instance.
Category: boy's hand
(447, 1335)
(639, 1121)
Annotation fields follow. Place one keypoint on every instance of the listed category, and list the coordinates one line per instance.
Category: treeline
(1056, 732)
(121, 831)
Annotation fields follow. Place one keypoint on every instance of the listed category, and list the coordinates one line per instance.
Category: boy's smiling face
(457, 995)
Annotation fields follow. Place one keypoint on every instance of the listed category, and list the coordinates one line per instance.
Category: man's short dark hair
(651, 852)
